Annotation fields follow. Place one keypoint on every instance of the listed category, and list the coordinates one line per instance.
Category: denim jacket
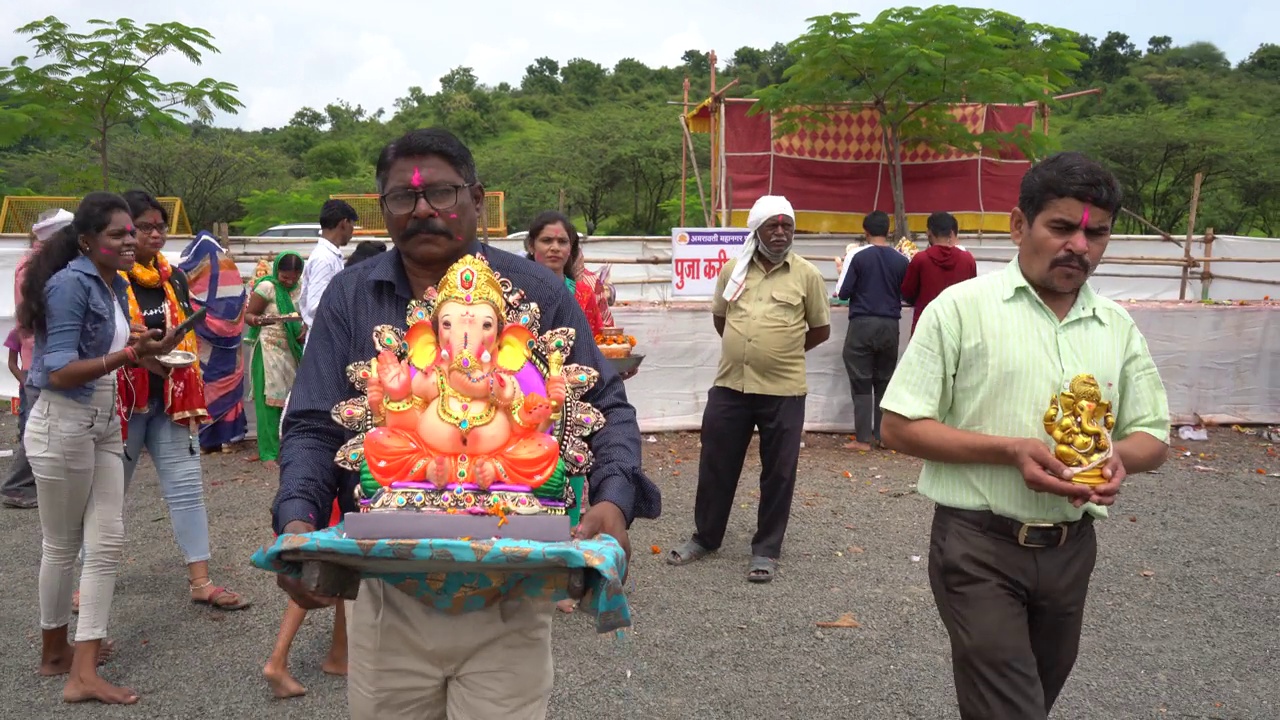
(79, 324)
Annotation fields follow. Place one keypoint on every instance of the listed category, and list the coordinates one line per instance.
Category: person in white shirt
(337, 225)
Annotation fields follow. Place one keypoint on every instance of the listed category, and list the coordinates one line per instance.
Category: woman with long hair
(216, 285)
(165, 410)
(74, 302)
(275, 347)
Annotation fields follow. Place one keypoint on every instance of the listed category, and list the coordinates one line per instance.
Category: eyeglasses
(148, 228)
(439, 197)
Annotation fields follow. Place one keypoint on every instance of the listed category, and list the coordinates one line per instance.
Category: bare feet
(60, 663)
(485, 474)
(271, 465)
(567, 605)
(283, 685)
(334, 665)
(858, 446)
(437, 473)
(95, 688)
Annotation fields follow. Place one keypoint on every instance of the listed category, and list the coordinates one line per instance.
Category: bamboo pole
(1164, 236)
(1191, 232)
(1256, 281)
(684, 156)
(1206, 274)
(697, 176)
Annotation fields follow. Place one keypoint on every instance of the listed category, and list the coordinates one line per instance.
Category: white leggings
(76, 455)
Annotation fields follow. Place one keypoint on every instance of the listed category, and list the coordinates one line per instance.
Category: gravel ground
(1182, 621)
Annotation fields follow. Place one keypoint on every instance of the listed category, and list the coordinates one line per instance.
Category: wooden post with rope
(1206, 275)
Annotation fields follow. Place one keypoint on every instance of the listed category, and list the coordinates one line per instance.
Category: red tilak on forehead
(416, 180)
(1084, 221)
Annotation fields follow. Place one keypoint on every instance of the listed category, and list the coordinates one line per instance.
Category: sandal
(216, 594)
(762, 569)
(690, 552)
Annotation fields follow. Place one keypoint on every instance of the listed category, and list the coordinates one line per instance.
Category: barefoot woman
(74, 303)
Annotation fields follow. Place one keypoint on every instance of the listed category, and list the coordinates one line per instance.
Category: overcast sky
(285, 54)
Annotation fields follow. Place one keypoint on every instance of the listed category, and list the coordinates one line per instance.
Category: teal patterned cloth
(603, 559)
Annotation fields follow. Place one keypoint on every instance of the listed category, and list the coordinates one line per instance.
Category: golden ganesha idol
(469, 411)
(1080, 423)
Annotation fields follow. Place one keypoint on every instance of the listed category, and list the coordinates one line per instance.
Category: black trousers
(727, 425)
(870, 357)
(1013, 613)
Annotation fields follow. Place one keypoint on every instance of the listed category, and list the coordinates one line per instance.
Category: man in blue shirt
(407, 659)
(873, 286)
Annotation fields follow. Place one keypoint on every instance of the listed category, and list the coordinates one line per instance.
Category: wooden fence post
(1191, 235)
(1206, 274)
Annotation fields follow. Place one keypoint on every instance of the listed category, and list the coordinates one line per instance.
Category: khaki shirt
(762, 351)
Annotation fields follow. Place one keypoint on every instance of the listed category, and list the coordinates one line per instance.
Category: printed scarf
(184, 388)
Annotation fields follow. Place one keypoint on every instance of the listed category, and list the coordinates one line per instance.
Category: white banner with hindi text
(698, 254)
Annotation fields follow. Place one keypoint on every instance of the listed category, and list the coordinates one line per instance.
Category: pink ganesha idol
(452, 413)
(470, 410)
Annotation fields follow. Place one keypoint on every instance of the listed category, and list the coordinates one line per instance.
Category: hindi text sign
(698, 254)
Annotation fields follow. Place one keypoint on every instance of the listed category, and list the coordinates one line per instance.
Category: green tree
(908, 64)
(1264, 63)
(95, 82)
(1156, 156)
(209, 168)
(332, 159)
(301, 203)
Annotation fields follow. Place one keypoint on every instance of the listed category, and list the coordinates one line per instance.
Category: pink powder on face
(108, 251)
(416, 180)
(453, 216)
(1084, 221)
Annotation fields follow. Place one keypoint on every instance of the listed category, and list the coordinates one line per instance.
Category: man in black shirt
(873, 287)
(407, 659)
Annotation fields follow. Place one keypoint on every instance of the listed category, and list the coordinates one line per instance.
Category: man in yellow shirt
(771, 307)
(1012, 546)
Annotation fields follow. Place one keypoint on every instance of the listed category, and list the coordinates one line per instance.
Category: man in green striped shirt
(1012, 546)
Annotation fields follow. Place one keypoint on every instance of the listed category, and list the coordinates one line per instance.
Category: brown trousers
(1013, 613)
(412, 662)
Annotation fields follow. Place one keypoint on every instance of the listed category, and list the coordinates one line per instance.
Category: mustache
(1075, 261)
(427, 227)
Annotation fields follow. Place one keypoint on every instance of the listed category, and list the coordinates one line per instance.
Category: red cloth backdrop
(835, 175)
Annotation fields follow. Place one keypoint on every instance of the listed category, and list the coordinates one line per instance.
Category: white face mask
(770, 255)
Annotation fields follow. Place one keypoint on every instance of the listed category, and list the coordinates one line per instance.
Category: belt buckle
(1022, 534)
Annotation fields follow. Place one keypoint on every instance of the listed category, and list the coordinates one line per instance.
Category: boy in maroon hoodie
(937, 268)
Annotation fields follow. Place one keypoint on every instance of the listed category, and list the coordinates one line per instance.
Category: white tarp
(1220, 362)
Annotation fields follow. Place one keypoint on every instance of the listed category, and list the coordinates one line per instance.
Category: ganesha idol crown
(471, 409)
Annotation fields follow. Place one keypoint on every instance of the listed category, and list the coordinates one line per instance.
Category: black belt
(1031, 535)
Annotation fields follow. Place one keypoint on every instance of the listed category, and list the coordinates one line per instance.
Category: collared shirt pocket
(785, 307)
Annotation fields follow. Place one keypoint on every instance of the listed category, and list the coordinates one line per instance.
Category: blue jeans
(21, 483)
(177, 460)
